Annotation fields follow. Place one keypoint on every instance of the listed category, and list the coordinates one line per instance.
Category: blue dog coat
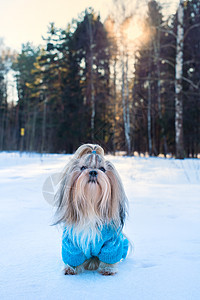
(110, 247)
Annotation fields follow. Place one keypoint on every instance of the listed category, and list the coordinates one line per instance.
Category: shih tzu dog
(92, 206)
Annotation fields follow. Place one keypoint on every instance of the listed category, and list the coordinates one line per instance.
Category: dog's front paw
(107, 273)
(107, 269)
(69, 270)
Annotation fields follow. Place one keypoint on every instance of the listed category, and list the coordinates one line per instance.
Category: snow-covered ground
(163, 224)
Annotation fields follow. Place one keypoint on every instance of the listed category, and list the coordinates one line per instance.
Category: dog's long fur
(84, 205)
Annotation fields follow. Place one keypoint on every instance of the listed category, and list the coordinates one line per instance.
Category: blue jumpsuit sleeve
(114, 249)
(71, 254)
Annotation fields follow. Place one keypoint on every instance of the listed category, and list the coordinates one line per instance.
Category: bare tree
(125, 99)
(122, 19)
(149, 115)
(178, 82)
(91, 42)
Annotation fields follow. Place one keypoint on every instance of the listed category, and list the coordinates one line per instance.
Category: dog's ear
(117, 193)
(87, 149)
(65, 211)
(122, 215)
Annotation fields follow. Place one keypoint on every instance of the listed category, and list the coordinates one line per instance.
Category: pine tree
(149, 84)
(191, 75)
(23, 66)
(92, 46)
(6, 131)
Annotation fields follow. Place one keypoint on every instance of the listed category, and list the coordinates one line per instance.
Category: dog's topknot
(87, 149)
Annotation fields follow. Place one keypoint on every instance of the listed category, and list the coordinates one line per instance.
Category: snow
(163, 224)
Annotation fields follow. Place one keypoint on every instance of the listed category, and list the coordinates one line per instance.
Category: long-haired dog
(92, 206)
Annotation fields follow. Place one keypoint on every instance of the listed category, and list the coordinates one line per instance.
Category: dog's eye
(83, 168)
(102, 169)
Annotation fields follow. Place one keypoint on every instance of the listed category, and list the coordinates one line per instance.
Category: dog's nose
(93, 173)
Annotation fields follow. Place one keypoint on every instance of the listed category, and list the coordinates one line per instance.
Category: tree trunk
(149, 115)
(92, 94)
(178, 83)
(115, 103)
(125, 108)
(44, 125)
(32, 141)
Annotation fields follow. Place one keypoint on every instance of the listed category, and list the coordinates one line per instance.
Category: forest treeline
(91, 83)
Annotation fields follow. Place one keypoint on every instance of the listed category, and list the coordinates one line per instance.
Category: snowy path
(163, 224)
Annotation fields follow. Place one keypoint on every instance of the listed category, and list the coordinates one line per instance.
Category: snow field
(163, 225)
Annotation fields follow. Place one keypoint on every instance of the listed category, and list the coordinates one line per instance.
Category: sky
(27, 20)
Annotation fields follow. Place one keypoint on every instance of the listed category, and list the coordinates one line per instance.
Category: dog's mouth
(92, 180)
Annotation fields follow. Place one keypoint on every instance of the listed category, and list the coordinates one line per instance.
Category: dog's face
(91, 192)
(92, 187)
